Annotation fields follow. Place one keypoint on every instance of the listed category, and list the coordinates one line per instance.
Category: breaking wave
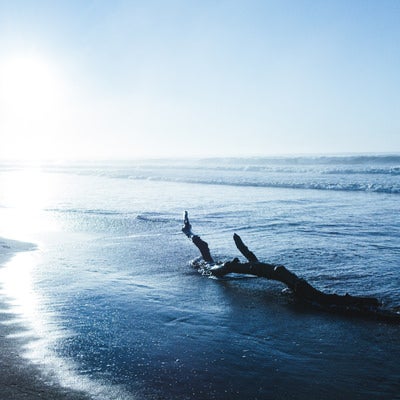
(352, 173)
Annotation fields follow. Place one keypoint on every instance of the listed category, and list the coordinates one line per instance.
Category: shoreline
(21, 378)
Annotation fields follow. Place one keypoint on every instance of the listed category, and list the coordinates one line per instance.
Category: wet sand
(19, 378)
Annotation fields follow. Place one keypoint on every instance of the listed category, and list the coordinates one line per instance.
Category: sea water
(114, 307)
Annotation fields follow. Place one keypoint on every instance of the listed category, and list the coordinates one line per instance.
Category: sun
(31, 96)
(28, 81)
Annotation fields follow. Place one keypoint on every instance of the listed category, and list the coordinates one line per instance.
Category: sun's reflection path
(16, 282)
(28, 309)
(24, 196)
(26, 306)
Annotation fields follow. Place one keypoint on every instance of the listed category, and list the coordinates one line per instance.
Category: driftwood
(300, 288)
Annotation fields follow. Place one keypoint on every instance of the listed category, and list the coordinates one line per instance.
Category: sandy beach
(19, 378)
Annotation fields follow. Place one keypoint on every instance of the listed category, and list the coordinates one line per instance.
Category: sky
(83, 79)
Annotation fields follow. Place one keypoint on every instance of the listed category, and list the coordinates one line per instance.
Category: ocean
(113, 306)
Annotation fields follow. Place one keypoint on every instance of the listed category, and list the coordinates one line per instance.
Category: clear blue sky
(127, 79)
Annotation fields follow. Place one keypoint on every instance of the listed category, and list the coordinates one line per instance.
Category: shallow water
(114, 301)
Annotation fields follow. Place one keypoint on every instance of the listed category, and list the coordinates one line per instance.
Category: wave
(145, 216)
(331, 186)
(356, 173)
(303, 160)
(336, 186)
(384, 183)
(155, 217)
(325, 165)
(387, 164)
(87, 211)
(304, 182)
(367, 171)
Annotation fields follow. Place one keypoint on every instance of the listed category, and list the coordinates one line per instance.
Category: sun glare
(31, 97)
(29, 83)
(25, 194)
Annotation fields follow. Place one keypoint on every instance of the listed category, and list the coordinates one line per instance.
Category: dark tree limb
(197, 241)
(298, 286)
(244, 249)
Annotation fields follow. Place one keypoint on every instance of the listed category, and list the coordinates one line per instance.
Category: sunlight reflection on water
(16, 279)
(26, 305)
(28, 308)
(24, 197)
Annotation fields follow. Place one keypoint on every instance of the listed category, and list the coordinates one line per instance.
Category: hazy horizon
(197, 158)
(132, 79)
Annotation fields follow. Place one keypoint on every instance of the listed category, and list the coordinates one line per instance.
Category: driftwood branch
(197, 241)
(301, 289)
(244, 249)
